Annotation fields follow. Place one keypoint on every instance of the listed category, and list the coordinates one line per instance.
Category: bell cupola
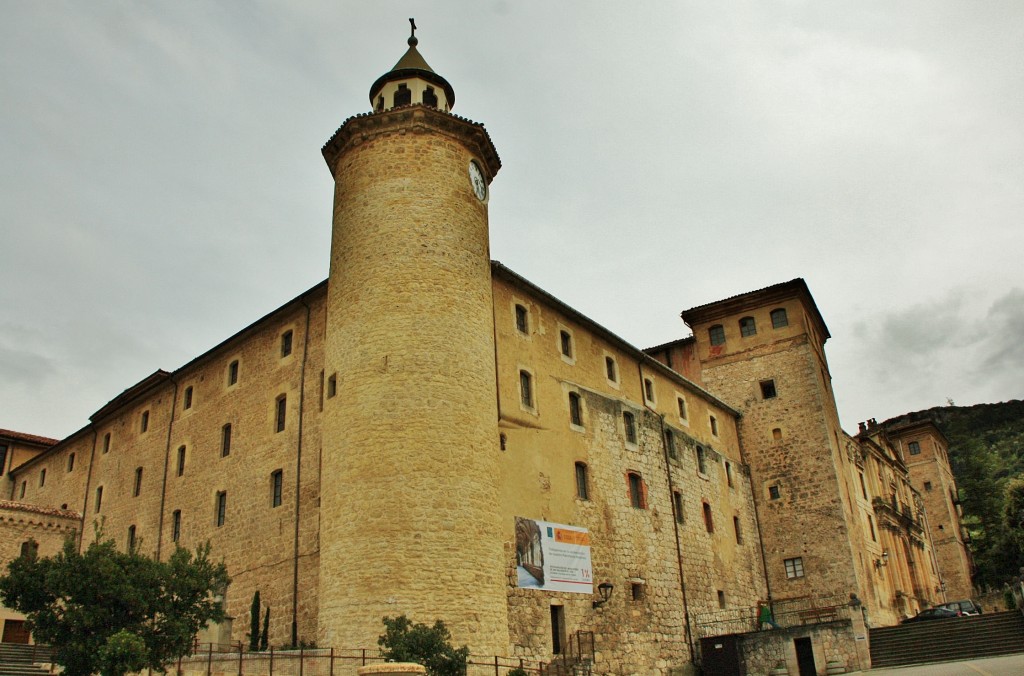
(411, 81)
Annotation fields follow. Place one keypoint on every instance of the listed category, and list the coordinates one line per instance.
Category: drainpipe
(671, 501)
(298, 480)
(167, 460)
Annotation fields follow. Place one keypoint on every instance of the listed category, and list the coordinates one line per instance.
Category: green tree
(265, 636)
(108, 611)
(403, 641)
(254, 622)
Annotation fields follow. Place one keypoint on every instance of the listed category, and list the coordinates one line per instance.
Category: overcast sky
(161, 183)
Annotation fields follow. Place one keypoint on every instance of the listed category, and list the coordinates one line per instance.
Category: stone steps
(956, 638)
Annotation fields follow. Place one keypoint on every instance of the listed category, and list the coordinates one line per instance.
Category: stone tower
(409, 514)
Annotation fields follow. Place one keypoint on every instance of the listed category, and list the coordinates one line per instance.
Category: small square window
(779, 318)
(794, 567)
(748, 327)
(233, 372)
(187, 400)
(629, 427)
(636, 590)
(768, 389)
(522, 319)
(716, 334)
(286, 343)
(721, 599)
(774, 493)
(565, 341)
(915, 448)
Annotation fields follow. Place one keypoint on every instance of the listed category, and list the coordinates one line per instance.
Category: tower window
(225, 441)
(286, 343)
(863, 487)
(774, 493)
(181, 460)
(429, 97)
(779, 318)
(927, 485)
(768, 389)
(575, 409)
(709, 522)
(610, 369)
(106, 442)
(636, 590)
(176, 525)
(99, 498)
(3, 459)
(221, 512)
(637, 497)
(582, 490)
(716, 334)
(670, 443)
(629, 427)
(332, 385)
(71, 462)
(29, 549)
(777, 434)
(702, 460)
(522, 319)
(144, 422)
(281, 413)
(681, 404)
(21, 491)
(649, 390)
(187, 401)
(677, 506)
(137, 487)
(748, 327)
(380, 103)
(714, 425)
(233, 372)
(565, 340)
(526, 389)
(276, 487)
(794, 567)
(915, 448)
(131, 537)
(42, 477)
(871, 526)
(403, 95)
(737, 529)
(721, 599)
(728, 473)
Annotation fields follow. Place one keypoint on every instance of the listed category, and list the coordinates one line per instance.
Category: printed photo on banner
(553, 556)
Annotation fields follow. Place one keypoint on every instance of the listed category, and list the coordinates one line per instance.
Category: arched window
(403, 95)
(430, 98)
(748, 327)
(637, 494)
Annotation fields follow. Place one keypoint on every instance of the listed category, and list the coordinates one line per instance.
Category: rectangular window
(610, 369)
(794, 567)
(670, 443)
(181, 460)
(728, 473)
(276, 488)
(709, 522)
(636, 491)
(222, 508)
(526, 389)
(522, 319)
(582, 491)
(565, 339)
(282, 411)
(681, 403)
(629, 427)
(233, 372)
(176, 525)
(721, 599)
(716, 334)
(131, 538)
(915, 448)
(779, 318)
(677, 506)
(863, 488)
(649, 390)
(71, 462)
(768, 389)
(187, 401)
(714, 425)
(3, 459)
(871, 525)
(144, 422)
(137, 487)
(748, 327)
(99, 498)
(42, 477)
(106, 442)
(557, 629)
(286, 343)
(332, 386)
(702, 460)
(927, 485)
(575, 410)
(737, 529)
(774, 493)
(225, 441)
(21, 492)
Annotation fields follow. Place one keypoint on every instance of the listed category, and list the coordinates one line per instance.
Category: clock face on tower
(476, 179)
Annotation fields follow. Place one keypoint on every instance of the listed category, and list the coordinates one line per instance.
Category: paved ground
(1007, 665)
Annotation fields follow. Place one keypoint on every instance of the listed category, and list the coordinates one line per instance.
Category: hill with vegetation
(986, 450)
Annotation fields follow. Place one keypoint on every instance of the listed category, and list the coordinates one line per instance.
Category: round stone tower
(409, 521)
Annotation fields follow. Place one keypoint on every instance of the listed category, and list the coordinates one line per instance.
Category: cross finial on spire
(412, 37)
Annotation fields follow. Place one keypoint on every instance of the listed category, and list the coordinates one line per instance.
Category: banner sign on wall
(553, 556)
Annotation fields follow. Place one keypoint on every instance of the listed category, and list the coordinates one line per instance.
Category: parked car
(932, 614)
(965, 607)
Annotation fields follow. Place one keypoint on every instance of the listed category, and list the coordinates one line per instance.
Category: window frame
(188, 398)
(276, 488)
(280, 413)
(794, 568)
(233, 369)
(637, 490)
(287, 340)
(220, 514)
(779, 317)
(180, 469)
(137, 484)
(144, 422)
(748, 327)
(629, 431)
(225, 440)
(176, 525)
(678, 507)
(522, 318)
(914, 447)
(527, 397)
(582, 474)
(575, 410)
(650, 395)
(702, 460)
(768, 389)
(716, 335)
(709, 518)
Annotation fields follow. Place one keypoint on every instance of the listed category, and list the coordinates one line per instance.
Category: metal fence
(792, 612)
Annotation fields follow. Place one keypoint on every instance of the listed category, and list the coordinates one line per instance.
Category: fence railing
(791, 612)
(234, 659)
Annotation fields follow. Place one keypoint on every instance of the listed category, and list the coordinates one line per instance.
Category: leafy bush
(403, 641)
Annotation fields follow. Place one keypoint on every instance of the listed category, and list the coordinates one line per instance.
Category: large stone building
(415, 434)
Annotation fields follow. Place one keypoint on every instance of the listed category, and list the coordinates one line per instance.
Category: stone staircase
(19, 659)
(956, 638)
